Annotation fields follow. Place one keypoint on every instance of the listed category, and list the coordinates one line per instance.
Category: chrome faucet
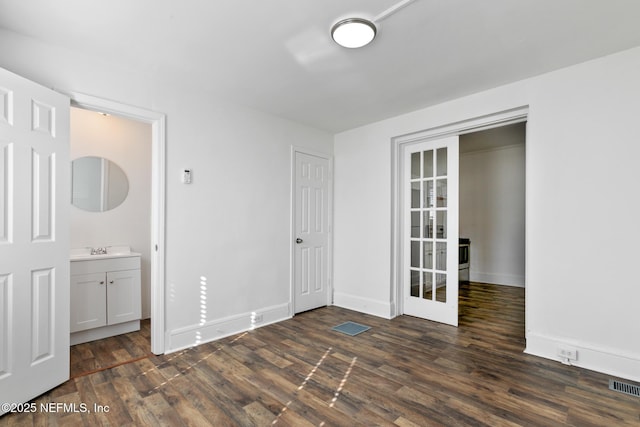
(99, 251)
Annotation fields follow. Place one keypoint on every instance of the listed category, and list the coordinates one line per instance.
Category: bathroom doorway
(134, 140)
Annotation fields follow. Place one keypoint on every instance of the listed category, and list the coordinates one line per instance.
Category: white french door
(430, 229)
(311, 232)
(34, 239)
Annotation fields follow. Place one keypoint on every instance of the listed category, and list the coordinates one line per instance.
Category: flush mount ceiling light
(359, 32)
(353, 32)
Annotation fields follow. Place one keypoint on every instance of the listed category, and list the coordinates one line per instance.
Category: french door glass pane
(415, 254)
(441, 224)
(441, 256)
(428, 194)
(428, 285)
(428, 255)
(428, 225)
(415, 194)
(415, 165)
(415, 283)
(441, 157)
(441, 287)
(441, 193)
(415, 224)
(428, 164)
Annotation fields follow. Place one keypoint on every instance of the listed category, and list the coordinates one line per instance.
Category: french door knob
(298, 240)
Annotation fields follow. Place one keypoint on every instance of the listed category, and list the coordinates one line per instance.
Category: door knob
(298, 240)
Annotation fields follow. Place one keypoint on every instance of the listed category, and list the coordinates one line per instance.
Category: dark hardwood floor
(403, 372)
(102, 354)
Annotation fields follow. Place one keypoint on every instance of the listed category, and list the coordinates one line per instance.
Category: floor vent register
(630, 389)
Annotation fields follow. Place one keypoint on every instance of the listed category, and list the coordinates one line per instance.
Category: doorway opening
(403, 214)
(492, 223)
(492, 203)
(152, 176)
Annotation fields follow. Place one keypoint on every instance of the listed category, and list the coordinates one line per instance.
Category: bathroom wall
(128, 144)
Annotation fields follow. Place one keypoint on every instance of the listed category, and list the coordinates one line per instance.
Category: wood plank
(404, 372)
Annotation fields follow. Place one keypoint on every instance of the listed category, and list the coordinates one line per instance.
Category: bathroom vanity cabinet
(105, 297)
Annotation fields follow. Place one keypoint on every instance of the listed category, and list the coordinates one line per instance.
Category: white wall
(128, 144)
(229, 229)
(581, 154)
(492, 203)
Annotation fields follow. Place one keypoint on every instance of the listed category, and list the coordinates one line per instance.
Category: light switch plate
(186, 176)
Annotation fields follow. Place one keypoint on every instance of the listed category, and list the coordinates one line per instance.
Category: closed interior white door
(430, 230)
(311, 227)
(34, 238)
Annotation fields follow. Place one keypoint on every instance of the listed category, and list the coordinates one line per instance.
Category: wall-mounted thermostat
(186, 176)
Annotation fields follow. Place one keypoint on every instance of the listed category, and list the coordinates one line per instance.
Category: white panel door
(311, 232)
(34, 238)
(430, 230)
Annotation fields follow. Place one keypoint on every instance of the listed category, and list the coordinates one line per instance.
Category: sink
(83, 254)
(119, 250)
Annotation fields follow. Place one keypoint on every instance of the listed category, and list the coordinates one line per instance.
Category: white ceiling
(277, 55)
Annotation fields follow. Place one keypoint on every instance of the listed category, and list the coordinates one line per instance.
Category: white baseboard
(363, 305)
(190, 336)
(497, 279)
(103, 332)
(605, 360)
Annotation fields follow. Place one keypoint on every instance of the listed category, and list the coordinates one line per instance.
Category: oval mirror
(97, 184)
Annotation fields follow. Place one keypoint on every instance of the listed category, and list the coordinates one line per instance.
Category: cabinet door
(88, 301)
(123, 296)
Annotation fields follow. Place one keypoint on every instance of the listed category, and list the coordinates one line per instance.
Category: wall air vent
(630, 389)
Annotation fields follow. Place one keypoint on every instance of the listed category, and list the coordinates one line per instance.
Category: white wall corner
(193, 335)
(364, 305)
(605, 360)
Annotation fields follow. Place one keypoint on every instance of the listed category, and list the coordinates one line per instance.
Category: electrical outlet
(257, 318)
(567, 352)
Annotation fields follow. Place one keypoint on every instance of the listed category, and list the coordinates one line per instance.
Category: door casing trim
(158, 165)
(398, 143)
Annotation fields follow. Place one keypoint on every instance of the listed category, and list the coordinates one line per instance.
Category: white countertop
(84, 254)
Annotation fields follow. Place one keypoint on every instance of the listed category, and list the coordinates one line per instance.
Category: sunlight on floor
(315, 368)
(343, 382)
(188, 368)
(337, 393)
(306, 380)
